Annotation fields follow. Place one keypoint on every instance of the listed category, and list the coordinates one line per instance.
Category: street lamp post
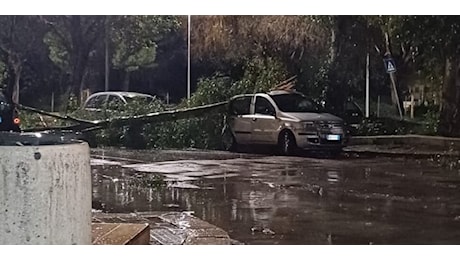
(188, 57)
(107, 69)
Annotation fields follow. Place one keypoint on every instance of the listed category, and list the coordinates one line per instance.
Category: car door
(239, 119)
(264, 122)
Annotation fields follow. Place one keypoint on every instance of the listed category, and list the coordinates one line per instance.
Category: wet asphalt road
(263, 199)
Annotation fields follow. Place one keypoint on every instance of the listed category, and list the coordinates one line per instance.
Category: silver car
(100, 100)
(287, 119)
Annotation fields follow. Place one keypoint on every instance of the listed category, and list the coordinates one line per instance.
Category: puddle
(291, 200)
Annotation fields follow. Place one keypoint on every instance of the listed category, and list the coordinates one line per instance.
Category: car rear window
(139, 99)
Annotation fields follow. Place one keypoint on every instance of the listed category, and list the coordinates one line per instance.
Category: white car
(284, 118)
(99, 101)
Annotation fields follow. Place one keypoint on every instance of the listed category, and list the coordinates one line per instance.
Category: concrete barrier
(45, 193)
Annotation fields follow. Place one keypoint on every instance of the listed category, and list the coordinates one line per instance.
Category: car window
(295, 103)
(240, 106)
(96, 101)
(114, 101)
(263, 106)
(139, 99)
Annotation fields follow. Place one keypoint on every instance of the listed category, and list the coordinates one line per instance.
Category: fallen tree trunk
(154, 117)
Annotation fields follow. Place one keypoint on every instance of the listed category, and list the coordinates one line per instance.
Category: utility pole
(367, 85)
(188, 56)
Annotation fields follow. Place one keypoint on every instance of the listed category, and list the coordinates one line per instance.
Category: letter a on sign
(390, 65)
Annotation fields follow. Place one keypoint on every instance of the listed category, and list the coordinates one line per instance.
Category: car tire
(287, 144)
(228, 141)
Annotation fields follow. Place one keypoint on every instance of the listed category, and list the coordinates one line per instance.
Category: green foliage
(129, 136)
(430, 117)
(3, 73)
(205, 131)
(134, 39)
(262, 74)
(211, 90)
(388, 126)
(58, 54)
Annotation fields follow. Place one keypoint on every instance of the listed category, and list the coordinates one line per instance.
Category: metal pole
(367, 85)
(378, 106)
(393, 83)
(412, 106)
(107, 70)
(188, 56)
(52, 101)
(393, 77)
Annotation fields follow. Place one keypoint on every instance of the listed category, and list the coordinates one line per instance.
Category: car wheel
(287, 144)
(228, 141)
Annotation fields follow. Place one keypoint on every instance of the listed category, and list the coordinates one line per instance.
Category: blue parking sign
(390, 65)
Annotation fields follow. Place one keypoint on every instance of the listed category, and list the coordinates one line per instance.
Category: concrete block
(120, 234)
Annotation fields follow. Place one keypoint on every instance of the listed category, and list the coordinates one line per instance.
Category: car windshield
(295, 103)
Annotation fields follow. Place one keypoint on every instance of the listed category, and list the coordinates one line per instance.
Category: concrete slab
(120, 234)
(168, 228)
(165, 236)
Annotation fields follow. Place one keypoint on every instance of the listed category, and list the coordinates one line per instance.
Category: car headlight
(309, 125)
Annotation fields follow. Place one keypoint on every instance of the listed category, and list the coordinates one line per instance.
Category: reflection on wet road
(287, 200)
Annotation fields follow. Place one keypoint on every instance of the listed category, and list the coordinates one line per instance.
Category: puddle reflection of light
(150, 195)
(234, 209)
(333, 176)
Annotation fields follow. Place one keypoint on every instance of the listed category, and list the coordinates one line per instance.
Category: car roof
(283, 92)
(121, 93)
(271, 93)
(242, 95)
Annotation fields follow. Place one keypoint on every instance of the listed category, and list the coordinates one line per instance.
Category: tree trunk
(16, 64)
(126, 80)
(17, 77)
(78, 71)
(449, 121)
(335, 91)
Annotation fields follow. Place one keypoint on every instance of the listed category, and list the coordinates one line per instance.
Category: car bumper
(326, 141)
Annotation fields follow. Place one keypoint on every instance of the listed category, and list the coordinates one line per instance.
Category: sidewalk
(171, 228)
(405, 145)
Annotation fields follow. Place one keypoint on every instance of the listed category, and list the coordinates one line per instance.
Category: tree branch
(66, 117)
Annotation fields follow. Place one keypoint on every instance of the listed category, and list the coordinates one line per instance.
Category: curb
(415, 146)
(445, 143)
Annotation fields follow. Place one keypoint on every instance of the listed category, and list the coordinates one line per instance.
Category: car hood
(311, 116)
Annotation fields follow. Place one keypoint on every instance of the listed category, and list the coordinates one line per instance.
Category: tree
(227, 43)
(134, 40)
(72, 41)
(435, 39)
(327, 53)
(19, 36)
